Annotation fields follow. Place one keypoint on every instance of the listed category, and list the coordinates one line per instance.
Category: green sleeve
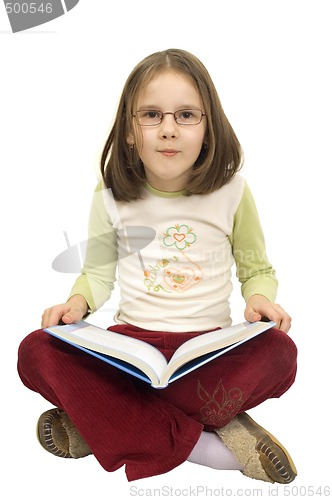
(96, 280)
(253, 269)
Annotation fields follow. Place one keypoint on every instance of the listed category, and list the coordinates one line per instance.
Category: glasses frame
(135, 115)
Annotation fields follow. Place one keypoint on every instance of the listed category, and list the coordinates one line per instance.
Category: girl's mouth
(168, 152)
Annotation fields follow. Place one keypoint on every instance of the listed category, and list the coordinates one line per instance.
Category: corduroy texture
(125, 422)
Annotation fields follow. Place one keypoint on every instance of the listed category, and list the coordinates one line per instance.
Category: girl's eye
(186, 115)
(151, 114)
(149, 117)
(189, 116)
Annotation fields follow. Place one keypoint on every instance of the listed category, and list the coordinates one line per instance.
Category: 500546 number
(28, 8)
(306, 491)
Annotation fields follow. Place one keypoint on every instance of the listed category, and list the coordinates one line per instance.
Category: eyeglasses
(150, 117)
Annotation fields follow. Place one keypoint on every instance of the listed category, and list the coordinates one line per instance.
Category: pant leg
(122, 421)
(263, 368)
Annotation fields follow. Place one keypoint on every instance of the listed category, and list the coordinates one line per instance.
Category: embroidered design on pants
(220, 406)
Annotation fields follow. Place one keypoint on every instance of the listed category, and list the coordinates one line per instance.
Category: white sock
(212, 452)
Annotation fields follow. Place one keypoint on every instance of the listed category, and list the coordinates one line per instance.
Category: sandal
(58, 435)
(260, 453)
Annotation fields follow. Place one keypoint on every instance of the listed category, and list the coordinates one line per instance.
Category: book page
(137, 352)
(204, 341)
(211, 341)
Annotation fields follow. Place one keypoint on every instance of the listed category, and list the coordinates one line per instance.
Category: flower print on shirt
(179, 273)
(181, 237)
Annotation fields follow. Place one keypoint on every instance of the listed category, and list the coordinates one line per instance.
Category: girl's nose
(168, 127)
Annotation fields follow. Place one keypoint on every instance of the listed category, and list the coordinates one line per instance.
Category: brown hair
(221, 154)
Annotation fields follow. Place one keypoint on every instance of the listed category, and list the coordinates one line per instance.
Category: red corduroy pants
(151, 431)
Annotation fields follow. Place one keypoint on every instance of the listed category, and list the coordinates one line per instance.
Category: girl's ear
(130, 139)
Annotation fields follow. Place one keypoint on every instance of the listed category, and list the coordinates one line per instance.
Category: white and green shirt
(172, 255)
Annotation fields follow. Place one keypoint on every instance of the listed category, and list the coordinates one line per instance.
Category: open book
(144, 360)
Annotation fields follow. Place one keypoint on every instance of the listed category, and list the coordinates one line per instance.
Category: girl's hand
(259, 306)
(69, 312)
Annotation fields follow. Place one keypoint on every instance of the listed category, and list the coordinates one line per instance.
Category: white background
(59, 88)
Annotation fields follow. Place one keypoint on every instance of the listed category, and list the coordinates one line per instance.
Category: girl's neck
(164, 194)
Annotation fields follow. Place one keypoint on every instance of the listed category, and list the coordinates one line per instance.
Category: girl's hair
(221, 154)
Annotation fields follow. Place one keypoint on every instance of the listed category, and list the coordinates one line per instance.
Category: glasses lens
(149, 117)
(188, 116)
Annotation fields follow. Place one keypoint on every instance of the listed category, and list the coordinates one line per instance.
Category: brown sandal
(57, 435)
(260, 453)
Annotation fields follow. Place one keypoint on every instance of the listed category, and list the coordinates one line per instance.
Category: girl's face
(169, 150)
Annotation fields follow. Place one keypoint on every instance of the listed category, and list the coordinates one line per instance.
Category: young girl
(171, 215)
